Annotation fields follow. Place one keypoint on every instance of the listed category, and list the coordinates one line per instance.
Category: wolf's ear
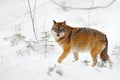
(64, 23)
(54, 21)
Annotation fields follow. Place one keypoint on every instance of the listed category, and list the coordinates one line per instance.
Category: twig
(89, 8)
(34, 8)
(45, 33)
(33, 24)
(89, 12)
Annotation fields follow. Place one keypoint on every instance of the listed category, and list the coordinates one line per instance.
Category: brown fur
(81, 39)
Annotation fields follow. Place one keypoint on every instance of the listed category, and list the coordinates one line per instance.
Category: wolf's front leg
(64, 55)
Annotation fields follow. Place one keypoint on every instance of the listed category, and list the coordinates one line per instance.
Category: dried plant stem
(32, 19)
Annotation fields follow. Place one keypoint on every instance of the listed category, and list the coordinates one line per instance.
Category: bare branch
(89, 13)
(34, 8)
(33, 24)
(89, 8)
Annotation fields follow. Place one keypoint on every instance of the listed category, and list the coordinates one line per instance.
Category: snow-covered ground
(21, 58)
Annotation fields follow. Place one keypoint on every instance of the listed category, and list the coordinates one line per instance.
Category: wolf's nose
(58, 35)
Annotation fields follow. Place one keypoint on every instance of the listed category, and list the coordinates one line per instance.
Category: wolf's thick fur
(80, 39)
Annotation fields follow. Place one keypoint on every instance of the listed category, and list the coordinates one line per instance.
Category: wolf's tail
(104, 56)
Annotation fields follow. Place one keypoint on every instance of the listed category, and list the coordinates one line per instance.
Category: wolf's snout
(58, 35)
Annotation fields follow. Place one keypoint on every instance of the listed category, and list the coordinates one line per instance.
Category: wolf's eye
(62, 30)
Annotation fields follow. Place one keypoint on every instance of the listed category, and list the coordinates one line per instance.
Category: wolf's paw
(74, 60)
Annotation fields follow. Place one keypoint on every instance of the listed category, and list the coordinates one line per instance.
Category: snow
(25, 59)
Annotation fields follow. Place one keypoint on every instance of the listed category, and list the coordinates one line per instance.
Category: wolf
(78, 39)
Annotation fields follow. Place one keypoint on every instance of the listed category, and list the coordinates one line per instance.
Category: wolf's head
(58, 29)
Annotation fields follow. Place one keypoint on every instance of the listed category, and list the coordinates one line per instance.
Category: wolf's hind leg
(94, 57)
(76, 57)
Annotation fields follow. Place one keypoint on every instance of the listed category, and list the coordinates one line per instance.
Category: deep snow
(19, 62)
